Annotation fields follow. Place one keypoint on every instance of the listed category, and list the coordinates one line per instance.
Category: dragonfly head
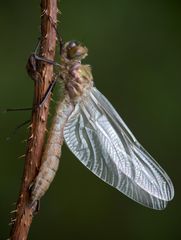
(74, 50)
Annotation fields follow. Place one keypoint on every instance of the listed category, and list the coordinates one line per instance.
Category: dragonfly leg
(39, 105)
(45, 60)
(17, 128)
(47, 94)
(32, 64)
(17, 109)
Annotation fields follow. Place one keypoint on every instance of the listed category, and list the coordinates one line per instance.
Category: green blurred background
(134, 50)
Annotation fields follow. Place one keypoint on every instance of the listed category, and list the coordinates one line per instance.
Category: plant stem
(25, 212)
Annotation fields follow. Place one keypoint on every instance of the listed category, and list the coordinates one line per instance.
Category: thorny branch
(24, 212)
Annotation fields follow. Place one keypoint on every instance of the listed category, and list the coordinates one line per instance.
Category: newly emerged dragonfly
(99, 138)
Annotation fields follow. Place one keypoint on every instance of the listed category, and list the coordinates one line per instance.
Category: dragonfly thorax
(77, 77)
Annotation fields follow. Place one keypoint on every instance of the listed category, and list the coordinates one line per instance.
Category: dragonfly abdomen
(52, 153)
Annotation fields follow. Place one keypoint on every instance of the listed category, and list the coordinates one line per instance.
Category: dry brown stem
(24, 214)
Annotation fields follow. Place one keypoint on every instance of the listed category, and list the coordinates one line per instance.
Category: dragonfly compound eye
(73, 44)
(75, 50)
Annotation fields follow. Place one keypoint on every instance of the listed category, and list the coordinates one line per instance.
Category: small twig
(24, 214)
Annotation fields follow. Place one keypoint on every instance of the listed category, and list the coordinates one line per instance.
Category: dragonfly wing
(100, 139)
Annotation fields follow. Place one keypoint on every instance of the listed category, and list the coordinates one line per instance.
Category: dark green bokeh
(134, 50)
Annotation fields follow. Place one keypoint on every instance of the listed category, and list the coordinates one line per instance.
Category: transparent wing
(100, 139)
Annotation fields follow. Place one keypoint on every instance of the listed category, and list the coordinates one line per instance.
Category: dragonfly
(99, 138)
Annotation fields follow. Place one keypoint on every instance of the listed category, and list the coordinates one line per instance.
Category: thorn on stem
(22, 156)
(13, 211)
